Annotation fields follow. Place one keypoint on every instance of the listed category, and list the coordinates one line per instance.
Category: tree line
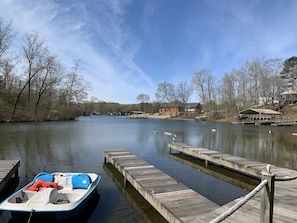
(34, 85)
(258, 82)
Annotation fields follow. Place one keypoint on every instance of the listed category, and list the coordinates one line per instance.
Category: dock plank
(240, 164)
(173, 200)
(8, 169)
(178, 203)
(285, 196)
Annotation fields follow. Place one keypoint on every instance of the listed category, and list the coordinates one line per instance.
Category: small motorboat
(62, 194)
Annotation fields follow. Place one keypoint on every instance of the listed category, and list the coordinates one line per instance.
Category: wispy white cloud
(128, 47)
(231, 32)
(94, 33)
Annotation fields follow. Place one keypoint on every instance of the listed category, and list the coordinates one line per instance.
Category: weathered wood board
(245, 166)
(178, 203)
(173, 200)
(8, 169)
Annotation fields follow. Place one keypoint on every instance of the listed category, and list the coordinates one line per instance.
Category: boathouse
(137, 112)
(258, 115)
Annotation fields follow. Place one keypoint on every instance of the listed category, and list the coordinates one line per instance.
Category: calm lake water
(77, 146)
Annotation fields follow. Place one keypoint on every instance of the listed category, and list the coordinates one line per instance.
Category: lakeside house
(289, 97)
(177, 108)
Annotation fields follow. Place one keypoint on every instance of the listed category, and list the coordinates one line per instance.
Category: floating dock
(245, 166)
(173, 200)
(177, 203)
(285, 194)
(8, 169)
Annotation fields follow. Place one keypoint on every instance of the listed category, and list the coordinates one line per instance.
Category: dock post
(16, 174)
(267, 196)
(125, 181)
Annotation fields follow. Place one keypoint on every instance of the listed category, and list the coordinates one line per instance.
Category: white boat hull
(63, 202)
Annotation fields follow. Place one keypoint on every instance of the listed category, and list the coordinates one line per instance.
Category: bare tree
(39, 83)
(183, 92)
(241, 87)
(6, 65)
(143, 98)
(228, 90)
(257, 74)
(254, 80)
(46, 80)
(203, 82)
(6, 77)
(211, 96)
(75, 85)
(34, 50)
(199, 82)
(165, 92)
(6, 38)
(276, 83)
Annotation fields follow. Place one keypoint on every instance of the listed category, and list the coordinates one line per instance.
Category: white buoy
(269, 131)
(213, 130)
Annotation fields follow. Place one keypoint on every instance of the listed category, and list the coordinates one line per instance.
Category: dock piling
(267, 197)
(8, 170)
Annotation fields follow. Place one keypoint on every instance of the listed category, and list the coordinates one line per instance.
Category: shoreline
(162, 117)
(151, 116)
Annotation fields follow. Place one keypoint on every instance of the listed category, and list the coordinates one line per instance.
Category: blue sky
(128, 47)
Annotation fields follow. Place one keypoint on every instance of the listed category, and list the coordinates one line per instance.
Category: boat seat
(73, 182)
(42, 198)
(64, 182)
(62, 199)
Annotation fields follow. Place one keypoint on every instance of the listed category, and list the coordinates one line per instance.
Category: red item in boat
(40, 184)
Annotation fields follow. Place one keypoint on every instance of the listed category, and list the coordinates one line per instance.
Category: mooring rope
(240, 203)
(31, 214)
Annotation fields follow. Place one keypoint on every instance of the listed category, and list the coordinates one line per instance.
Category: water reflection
(78, 147)
(146, 212)
(268, 144)
(234, 178)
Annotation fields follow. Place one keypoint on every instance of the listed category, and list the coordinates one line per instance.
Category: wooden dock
(224, 174)
(173, 200)
(8, 169)
(284, 210)
(177, 203)
(245, 166)
(285, 194)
